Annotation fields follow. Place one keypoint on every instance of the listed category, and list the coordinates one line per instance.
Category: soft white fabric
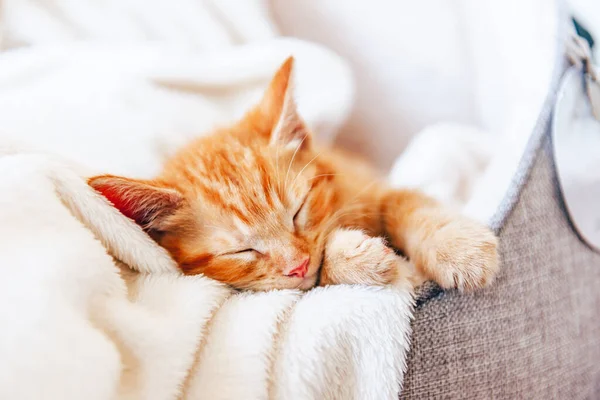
(445, 160)
(117, 84)
(113, 86)
(120, 108)
(75, 326)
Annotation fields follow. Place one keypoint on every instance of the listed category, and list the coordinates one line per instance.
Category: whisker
(348, 208)
(216, 227)
(277, 168)
(364, 189)
(330, 225)
(353, 200)
(211, 226)
(302, 170)
(292, 160)
(318, 176)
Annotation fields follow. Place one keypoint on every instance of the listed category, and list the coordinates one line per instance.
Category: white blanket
(113, 86)
(76, 326)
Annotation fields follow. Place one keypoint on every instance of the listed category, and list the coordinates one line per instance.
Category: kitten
(259, 206)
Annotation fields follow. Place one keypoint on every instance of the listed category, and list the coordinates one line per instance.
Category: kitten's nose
(299, 270)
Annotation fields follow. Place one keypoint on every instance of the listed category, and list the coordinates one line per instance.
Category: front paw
(352, 257)
(461, 254)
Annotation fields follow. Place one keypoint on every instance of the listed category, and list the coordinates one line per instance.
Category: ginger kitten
(259, 206)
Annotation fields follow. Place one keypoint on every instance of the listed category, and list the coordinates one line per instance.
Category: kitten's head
(250, 205)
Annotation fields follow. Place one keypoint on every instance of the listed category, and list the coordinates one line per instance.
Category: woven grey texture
(535, 334)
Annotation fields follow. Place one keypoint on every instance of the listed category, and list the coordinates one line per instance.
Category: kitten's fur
(249, 204)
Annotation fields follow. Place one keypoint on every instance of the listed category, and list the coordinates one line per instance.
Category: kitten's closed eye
(297, 214)
(242, 252)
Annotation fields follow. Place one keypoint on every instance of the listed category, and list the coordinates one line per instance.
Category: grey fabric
(535, 334)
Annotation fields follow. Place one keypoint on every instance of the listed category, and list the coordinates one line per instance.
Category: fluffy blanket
(76, 324)
(90, 307)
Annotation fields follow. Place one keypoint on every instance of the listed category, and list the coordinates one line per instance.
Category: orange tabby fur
(247, 204)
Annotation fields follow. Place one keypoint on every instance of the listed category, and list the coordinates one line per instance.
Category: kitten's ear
(147, 203)
(280, 111)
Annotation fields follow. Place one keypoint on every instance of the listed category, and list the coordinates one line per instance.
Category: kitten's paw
(462, 254)
(352, 257)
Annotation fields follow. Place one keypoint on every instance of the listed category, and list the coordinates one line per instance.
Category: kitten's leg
(452, 250)
(353, 257)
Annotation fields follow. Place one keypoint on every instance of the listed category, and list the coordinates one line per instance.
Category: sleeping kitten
(259, 206)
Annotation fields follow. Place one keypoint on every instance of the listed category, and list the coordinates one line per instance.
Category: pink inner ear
(140, 201)
(117, 196)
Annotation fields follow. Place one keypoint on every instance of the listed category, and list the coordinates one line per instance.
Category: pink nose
(299, 270)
